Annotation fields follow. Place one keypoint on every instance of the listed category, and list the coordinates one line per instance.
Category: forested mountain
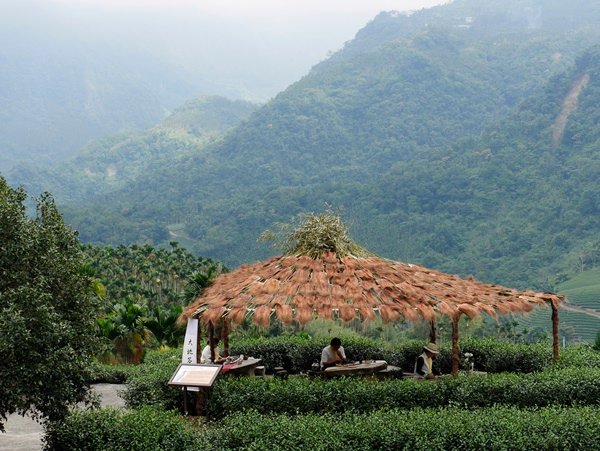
(432, 132)
(113, 162)
(73, 71)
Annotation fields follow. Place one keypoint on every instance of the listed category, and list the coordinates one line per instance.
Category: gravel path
(24, 434)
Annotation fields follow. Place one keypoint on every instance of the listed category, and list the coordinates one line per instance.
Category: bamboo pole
(554, 331)
(225, 337)
(433, 331)
(455, 355)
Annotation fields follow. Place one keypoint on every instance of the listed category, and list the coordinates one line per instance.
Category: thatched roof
(325, 274)
(301, 288)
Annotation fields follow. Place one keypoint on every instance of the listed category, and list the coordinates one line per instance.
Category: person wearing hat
(424, 363)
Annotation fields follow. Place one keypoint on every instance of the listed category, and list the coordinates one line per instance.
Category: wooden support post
(185, 401)
(455, 354)
(200, 401)
(433, 331)
(554, 331)
(225, 337)
(211, 340)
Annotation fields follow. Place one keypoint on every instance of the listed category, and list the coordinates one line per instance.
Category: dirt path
(24, 434)
(586, 311)
(569, 105)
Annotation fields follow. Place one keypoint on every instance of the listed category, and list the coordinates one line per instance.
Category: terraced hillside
(580, 317)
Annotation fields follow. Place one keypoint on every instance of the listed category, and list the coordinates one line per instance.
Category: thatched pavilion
(324, 274)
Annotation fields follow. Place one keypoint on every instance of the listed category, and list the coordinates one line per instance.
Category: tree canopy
(47, 310)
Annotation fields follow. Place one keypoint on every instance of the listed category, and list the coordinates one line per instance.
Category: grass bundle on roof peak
(314, 234)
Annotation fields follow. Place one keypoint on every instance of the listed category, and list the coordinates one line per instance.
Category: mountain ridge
(437, 148)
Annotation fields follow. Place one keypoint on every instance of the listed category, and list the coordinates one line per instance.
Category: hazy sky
(267, 8)
(249, 48)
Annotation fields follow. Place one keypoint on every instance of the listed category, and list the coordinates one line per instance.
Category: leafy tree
(47, 310)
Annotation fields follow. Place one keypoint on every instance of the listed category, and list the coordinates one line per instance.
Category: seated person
(333, 354)
(206, 357)
(424, 363)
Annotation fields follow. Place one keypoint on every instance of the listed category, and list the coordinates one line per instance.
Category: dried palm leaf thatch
(366, 313)
(486, 309)
(470, 310)
(314, 234)
(389, 313)
(410, 313)
(237, 314)
(262, 316)
(325, 311)
(212, 315)
(426, 312)
(347, 312)
(303, 315)
(284, 313)
(327, 275)
(447, 309)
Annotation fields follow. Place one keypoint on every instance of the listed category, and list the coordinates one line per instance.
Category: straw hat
(432, 347)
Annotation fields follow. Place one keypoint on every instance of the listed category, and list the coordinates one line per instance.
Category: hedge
(110, 374)
(297, 354)
(498, 428)
(147, 386)
(111, 429)
(506, 428)
(564, 387)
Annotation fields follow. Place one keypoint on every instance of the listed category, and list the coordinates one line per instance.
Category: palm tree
(163, 325)
(125, 325)
(198, 281)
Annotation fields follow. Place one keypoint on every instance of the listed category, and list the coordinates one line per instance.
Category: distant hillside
(580, 316)
(113, 162)
(74, 71)
(434, 139)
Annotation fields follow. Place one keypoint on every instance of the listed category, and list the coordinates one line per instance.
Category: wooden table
(366, 368)
(245, 367)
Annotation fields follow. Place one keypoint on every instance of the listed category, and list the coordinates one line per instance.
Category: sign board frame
(211, 371)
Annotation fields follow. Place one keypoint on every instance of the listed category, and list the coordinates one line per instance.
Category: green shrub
(148, 384)
(579, 357)
(495, 356)
(110, 374)
(302, 395)
(297, 354)
(111, 429)
(506, 428)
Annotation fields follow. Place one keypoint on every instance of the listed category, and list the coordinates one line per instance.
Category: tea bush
(565, 387)
(297, 354)
(110, 374)
(506, 428)
(578, 356)
(147, 386)
(111, 429)
(147, 383)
